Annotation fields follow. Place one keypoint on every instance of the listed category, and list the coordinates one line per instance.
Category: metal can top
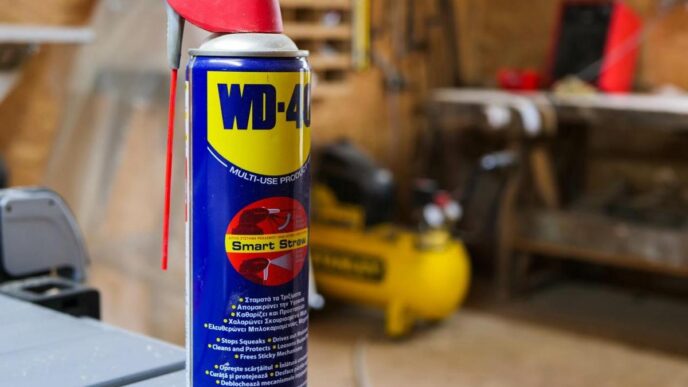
(249, 45)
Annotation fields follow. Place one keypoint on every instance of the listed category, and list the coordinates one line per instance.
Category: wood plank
(673, 105)
(330, 62)
(630, 111)
(46, 12)
(33, 110)
(317, 31)
(32, 113)
(601, 239)
(663, 59)
(331, 89)
(317, 4)
(12, 33)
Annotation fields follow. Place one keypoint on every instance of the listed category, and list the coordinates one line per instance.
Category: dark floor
(643, 319)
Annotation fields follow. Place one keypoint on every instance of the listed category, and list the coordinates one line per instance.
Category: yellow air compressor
(359, 256)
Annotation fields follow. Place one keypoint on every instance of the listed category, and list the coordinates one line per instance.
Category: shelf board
(317, 4)
(316, 31)
(39, 34)
(330, 62)
(630, 111)
(602, 239)
(331, 89)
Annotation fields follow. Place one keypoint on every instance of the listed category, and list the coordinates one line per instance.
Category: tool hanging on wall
(248, 182)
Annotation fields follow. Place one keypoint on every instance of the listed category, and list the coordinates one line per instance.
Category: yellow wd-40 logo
(260, 121)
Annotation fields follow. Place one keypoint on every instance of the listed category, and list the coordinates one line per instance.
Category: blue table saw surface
(41, 347)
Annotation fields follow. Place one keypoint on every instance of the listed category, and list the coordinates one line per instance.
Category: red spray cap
(229, 16)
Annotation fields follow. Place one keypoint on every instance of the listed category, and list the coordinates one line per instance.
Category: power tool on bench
(360, 255)
(42, 254)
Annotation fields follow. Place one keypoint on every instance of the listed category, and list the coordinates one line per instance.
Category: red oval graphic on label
(267, 241)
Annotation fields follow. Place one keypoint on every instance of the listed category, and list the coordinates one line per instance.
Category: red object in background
(229, 16)
(597, 41)
(520, 80)
(621, 51)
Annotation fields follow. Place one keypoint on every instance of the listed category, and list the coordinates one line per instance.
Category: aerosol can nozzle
(175, 33)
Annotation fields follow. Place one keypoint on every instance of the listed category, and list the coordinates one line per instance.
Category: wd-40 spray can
(248, 174)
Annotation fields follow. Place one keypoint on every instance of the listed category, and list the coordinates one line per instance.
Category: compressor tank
(359, 256)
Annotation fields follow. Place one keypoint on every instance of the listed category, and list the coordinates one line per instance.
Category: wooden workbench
(578, 228)
(631, 111)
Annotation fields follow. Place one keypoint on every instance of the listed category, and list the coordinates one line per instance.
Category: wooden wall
(504, 33)
(665, 55)
(492, 34)
(46, 12)
(383, 110)
(31, 113)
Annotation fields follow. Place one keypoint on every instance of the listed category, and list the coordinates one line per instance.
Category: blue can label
(249, 167)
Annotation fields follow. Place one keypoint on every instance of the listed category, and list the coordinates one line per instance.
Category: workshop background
(573, 201)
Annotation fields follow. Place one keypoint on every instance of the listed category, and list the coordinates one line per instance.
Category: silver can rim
(248, 44)
(250, 54)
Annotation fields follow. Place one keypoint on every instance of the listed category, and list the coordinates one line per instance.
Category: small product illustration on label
(267, 241)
